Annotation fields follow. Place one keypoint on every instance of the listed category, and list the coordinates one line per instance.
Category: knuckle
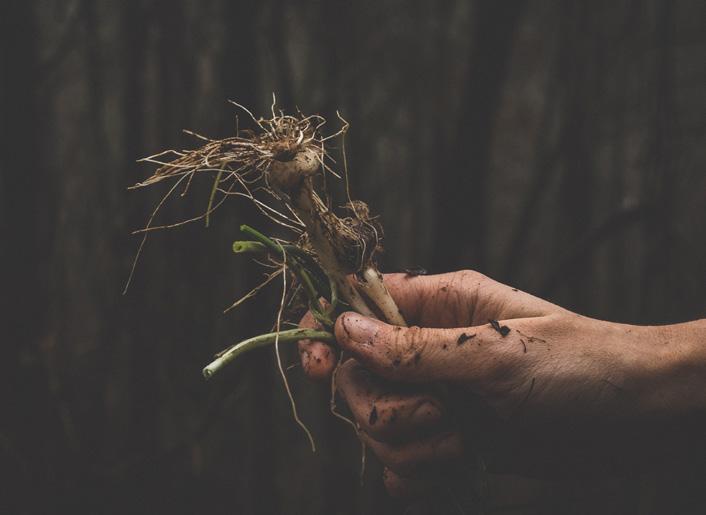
(466, 284)
(400, 487)
(346, 378)
(468, 276)
(423, 457)
(497, 377)
(414, 462)
(395, 419)
(346, 372)
(379, 430)
(427, 412)
(308, 321)
(491, 368)
(404, 347)
(391, 456)
(397, 461)
(393, 483)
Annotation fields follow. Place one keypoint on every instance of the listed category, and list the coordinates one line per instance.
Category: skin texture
(490, 372)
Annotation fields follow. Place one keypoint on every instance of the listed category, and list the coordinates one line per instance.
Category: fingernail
(359, 329)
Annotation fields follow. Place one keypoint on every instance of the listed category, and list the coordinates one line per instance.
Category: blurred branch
(542, 173)
(65, 41)
(284, 88)
(217, 401)
(591, 241)
(468, 156)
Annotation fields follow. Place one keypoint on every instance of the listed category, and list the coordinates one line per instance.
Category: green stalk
(263, 340)
(249, 247)
(293, 252)
(313, 292)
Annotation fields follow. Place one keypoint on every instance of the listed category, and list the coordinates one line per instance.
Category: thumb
(412, 354)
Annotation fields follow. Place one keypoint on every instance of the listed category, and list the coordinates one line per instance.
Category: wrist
(677, 382)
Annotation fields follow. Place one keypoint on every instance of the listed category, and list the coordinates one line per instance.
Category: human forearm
(680, 368)
(552, 392)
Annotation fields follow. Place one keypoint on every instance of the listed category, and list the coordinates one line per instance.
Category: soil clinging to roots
(274, 165)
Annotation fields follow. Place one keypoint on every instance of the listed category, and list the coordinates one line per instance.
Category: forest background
(556, 146)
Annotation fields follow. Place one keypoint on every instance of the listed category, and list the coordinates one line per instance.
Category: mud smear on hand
(532, 339)
(373, 415)
(463, 338)
(414, 271)
(502, 329)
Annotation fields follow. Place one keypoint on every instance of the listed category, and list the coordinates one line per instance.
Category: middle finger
(387, 412)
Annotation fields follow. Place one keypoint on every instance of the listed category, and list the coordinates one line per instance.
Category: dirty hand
(492, 371)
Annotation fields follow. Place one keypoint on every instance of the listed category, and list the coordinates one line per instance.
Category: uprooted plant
(281, 166)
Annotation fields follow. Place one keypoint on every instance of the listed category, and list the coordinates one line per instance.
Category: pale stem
(371, 283)
(304, 208)
(263, 340)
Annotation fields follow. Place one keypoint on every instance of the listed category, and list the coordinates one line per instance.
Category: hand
(530, 386)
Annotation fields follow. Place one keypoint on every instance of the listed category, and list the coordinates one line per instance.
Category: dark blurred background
(556, 146)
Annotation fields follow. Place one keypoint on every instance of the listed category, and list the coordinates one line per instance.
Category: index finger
(388, 412)
(460, 299)
(443, 300)
(318, 358)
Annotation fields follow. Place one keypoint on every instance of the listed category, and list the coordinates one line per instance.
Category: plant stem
(318, 277)
(372, 283)
(249, 247)
(313, 291)
(212, 196)
(263, 340)
(305, 206)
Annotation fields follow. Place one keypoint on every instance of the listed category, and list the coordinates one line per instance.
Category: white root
(294, 177)
(371, 283)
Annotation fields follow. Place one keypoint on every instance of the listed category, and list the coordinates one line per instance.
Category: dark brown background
(557, 146)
